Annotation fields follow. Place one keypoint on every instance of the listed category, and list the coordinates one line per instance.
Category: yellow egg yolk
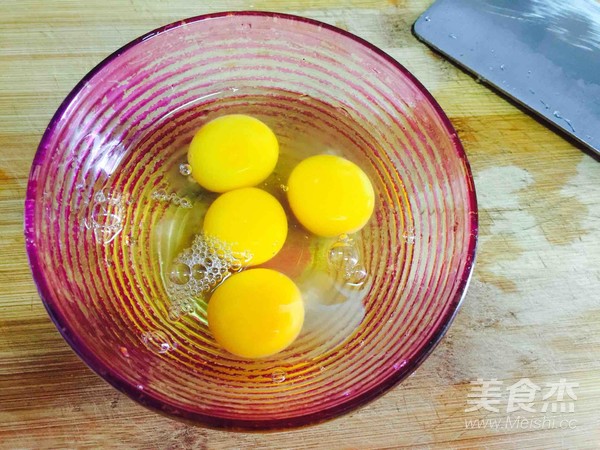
(231, 152)
(256, 313)
(250, 221)
(330, 195)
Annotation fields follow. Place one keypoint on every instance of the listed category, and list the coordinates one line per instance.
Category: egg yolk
(256, 313)
(231, 152)
(250, 221)
(330, 195)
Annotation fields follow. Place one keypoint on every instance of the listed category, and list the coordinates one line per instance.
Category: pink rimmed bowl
(89, 215)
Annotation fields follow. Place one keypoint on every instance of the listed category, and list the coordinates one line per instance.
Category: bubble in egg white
(357, 275)
(195, 271)
(157, 341)
(278, 376)
(185, 169)
(180, 273)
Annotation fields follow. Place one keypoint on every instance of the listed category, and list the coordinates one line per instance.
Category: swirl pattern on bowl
(109, 146)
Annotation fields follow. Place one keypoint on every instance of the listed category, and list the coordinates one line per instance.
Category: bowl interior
(97, 232)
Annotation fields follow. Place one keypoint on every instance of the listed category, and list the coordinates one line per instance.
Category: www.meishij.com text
(521, 423)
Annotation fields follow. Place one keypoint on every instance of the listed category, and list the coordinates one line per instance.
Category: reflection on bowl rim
(148, 400)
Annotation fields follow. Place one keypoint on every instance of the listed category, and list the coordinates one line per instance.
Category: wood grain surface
(533, 309)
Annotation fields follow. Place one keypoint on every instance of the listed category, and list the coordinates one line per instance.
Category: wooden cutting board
(533, 309)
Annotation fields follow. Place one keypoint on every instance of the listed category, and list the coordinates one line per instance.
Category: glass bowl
(96, 197)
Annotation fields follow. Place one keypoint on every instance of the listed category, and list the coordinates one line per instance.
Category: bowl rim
(161, 406)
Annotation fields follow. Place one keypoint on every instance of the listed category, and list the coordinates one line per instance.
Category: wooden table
(533, 309)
